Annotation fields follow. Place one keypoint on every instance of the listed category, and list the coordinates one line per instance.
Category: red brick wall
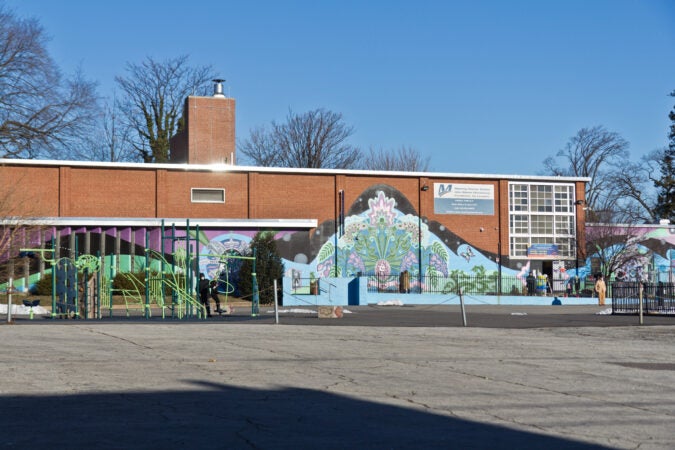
(29, 191)
(210, 129)
(72, 191)
(292, 196)
(175, 190)
(209, 133)
(108, 192)
(468, 227)
(354, 185)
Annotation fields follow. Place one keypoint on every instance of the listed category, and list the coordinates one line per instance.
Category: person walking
(601, 289)
(405, 282)
(531, 282)
(213, 286)
(203, 287)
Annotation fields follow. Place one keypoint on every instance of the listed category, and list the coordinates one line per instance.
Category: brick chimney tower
(207, 136)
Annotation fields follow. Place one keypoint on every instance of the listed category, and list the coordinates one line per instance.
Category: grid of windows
(540, 224)
(518, 197)
(519, 245)
(562, 198)
(541, 198)
(542, 213)
(519, 223)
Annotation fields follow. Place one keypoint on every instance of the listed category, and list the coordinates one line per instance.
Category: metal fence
(657, 298)
(474, 285)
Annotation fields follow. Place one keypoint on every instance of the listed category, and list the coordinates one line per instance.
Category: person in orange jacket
(601, 289)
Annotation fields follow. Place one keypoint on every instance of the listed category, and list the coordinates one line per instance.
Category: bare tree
(598, 154)
(16, 203)
(41, 112)
(109, 139)
(154, 93)
(613, 246)
(260, 148)
(633, 184)
(404, 159)
(315, 139)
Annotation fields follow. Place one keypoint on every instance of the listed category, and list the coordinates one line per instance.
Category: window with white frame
(542, 213)
(207, 195)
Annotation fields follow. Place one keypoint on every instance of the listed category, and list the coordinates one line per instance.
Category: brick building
(327, 223)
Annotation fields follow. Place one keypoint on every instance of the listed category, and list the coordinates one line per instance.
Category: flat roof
(224, 168)
(97, 222)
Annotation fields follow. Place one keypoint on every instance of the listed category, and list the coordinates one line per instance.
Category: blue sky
(478, 86)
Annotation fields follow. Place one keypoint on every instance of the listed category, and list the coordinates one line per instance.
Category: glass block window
(542, 213)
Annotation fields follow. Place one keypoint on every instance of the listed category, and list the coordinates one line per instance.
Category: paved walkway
(242, 382)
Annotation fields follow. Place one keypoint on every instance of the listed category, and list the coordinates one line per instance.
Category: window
(519, 246)
(564, 225)
(541, 224)
(518, 197)
(563, 199)
(542, 213)
(542, 200)
(204, 195)
(520, 223)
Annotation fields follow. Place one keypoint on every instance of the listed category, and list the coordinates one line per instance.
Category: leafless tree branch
(315, 139)
(41, 112)
(403, 159)
(154, 92)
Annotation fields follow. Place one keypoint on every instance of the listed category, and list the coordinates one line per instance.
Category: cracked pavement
(239, 385)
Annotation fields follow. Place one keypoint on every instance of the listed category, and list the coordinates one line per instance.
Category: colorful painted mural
(382, 235)
(386, 242)
(632, 252)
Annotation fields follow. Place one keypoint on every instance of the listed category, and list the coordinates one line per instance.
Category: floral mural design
(384, 242)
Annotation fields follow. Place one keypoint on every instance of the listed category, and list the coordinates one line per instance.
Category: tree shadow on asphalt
(222, 416)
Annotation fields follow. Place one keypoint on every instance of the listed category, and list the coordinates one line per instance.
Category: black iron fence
(477, 285)
(657, 298)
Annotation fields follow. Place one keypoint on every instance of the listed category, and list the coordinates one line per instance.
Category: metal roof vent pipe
(218, 88)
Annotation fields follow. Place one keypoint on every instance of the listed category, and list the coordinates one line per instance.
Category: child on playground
(214, 295)
(204, 293)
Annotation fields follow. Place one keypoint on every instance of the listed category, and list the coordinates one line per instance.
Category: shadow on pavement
(222, 416)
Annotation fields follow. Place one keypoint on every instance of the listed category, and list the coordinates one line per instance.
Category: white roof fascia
(152, 222)
(235, 169)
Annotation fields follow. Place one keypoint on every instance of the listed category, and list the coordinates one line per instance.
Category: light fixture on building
(425, 187)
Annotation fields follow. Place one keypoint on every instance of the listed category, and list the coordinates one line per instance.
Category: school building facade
(332, 224)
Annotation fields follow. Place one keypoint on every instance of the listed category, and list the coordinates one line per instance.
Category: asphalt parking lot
(478, 316)
(380, 377)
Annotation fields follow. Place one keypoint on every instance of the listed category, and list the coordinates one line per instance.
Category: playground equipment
(227, 288)
(169, 280)
(82, 286)
(31, 304)
(70, 298)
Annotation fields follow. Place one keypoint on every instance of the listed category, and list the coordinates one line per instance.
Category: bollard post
(276, 304)
(640, 304)
(10, 288)
(461, 303)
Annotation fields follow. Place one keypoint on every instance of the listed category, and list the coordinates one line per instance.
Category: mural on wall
(218, 259)
(634, 253)
(387, 238)
(382, 235)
